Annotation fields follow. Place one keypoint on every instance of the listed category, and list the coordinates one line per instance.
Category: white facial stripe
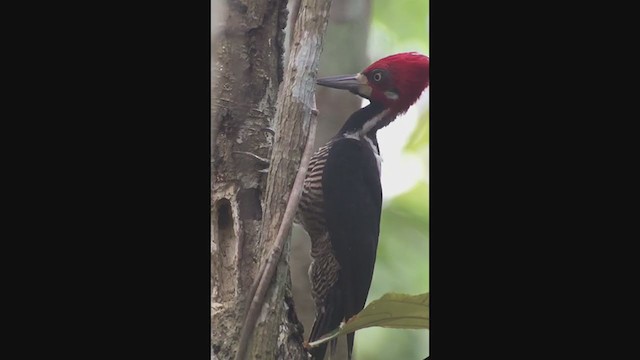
(370, 124)
(353, 136)
(391, 95)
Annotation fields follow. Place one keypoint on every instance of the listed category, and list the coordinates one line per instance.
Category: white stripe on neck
(374, 148)
(362, 135)
(370, 124)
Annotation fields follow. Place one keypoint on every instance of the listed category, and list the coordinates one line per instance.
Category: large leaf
(400, 311)
(392, 310)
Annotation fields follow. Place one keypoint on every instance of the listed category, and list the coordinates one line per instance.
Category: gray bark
(246, 72)
(248, 201)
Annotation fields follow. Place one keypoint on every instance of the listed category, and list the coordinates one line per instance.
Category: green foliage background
(403, 253)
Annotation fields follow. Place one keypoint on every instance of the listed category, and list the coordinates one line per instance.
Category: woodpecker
(342, 196)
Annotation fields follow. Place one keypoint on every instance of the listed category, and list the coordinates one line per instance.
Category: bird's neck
(367, 121)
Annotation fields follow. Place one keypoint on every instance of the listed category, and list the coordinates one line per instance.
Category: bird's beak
(344, 82)
(357, 84)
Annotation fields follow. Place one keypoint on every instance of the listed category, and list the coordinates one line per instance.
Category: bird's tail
(326, 320)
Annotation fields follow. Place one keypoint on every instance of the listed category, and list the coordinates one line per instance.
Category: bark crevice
(248, 144)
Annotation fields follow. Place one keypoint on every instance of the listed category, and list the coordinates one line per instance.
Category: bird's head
(396, 81)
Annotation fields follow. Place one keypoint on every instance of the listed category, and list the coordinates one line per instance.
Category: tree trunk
(246, 72)
(255, 156)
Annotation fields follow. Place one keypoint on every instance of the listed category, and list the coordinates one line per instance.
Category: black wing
(352, 206)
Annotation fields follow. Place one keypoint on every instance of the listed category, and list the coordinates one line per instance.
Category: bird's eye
(377, 76)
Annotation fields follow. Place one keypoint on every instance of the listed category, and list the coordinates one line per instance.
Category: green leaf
(392, 310)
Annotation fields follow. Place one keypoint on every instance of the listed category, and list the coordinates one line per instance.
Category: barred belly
(324, 268)
(311, 207)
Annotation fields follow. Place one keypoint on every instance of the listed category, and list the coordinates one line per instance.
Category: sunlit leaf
(392, 310)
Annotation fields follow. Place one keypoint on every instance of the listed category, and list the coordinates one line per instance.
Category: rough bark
(296, 103)
(246, 72)
(247, 201)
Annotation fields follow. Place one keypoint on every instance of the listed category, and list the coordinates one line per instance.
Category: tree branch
(294, 125)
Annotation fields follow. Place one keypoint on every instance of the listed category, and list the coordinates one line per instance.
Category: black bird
(342, 196)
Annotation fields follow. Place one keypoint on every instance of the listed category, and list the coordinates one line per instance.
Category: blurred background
(360, 32)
